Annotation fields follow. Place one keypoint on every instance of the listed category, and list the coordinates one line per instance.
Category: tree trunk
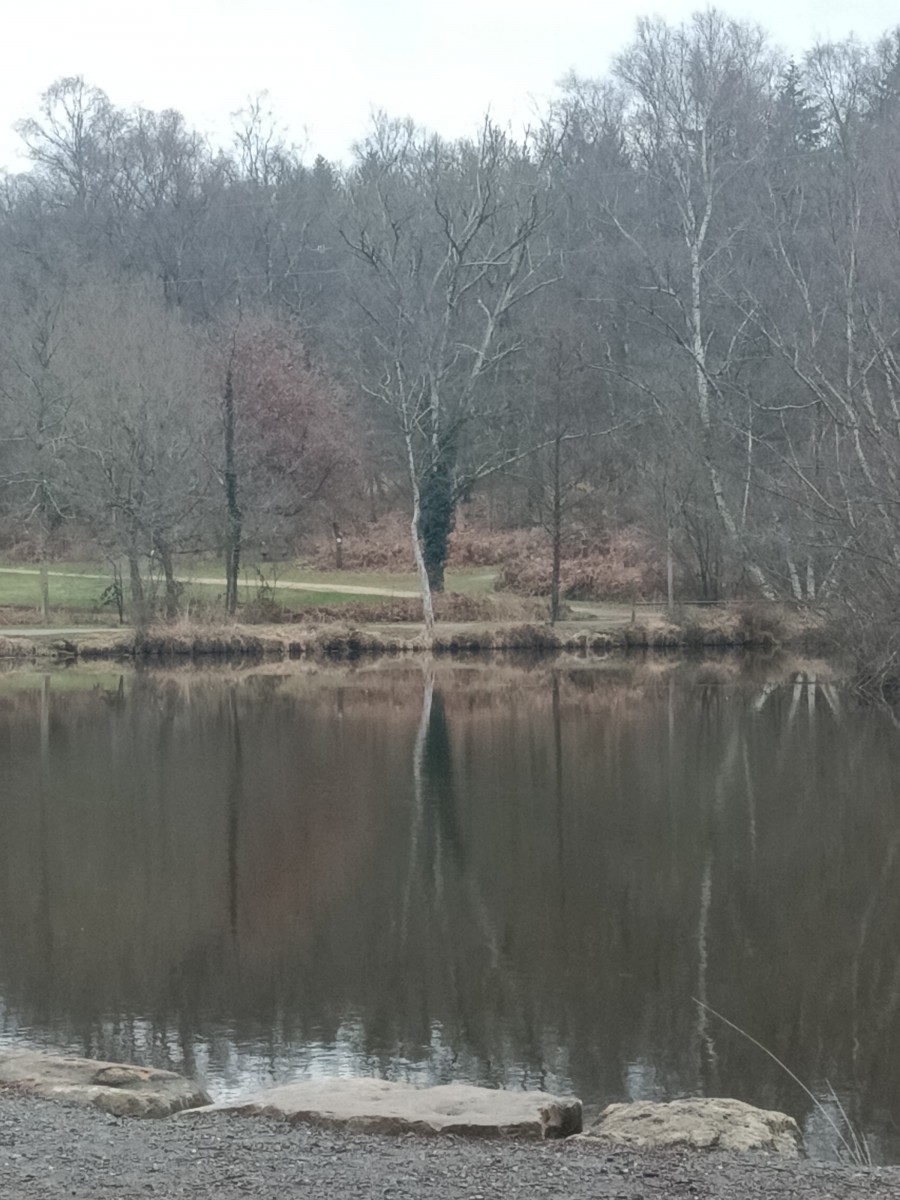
(138, 599)
(424, 581)
(234, 524)
(704, 408)
(338, 546)
(118, 591)
(796, 590)
(435, 569)
(556, 534)
(45, 588)
(173, 590)
(436, 518)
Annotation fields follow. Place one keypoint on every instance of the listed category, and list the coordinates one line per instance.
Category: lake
(512, 874)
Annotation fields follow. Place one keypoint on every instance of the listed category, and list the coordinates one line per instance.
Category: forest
(667, 317)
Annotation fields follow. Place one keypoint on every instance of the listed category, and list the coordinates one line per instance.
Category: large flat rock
(377, 1106)
(699, 1124)
(116, 1088)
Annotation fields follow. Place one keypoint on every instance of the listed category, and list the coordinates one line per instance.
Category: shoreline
(50, 1149)
(336, 639)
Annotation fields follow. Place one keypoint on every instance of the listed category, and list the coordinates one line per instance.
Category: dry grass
(448, 606)
(335, 639)
(610, 566)
(597, 566)
(757, 625)
(397, 610)
(382, 545)
(17, 648)
(354, 631)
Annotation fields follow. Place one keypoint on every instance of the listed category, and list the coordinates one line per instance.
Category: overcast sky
(327, 64)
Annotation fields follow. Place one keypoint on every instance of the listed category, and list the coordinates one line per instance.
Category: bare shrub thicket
(597, 564)
(449, 606)
(618, 565)
(379, 545)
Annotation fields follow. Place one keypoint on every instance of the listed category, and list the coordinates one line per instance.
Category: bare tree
(446, 240)
(73, 143)
(35, 410)
(697, 98)
(290, 446)
(140, 427)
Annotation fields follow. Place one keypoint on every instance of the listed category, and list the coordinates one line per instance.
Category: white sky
(326, 64)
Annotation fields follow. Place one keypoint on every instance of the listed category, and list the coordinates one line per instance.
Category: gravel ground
(54, 1150)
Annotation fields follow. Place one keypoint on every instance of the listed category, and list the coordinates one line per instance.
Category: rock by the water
(117, 1088)
(117, 1076)
(698, 1124)
(377, 1106)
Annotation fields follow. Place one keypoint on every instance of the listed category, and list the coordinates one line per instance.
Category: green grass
(78, 586)
(470, 580)
(71, 591)
(77, 593)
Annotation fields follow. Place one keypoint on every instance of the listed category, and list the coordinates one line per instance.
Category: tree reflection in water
(435, 870)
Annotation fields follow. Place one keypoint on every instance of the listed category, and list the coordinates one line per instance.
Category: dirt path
(50, 1151)
(348, 589)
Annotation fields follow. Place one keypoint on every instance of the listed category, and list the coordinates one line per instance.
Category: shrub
(610, 566)
(448, 606)
(760, 623)
(597, 564)
(382, 545)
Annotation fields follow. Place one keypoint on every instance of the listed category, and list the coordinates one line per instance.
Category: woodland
(667, 318)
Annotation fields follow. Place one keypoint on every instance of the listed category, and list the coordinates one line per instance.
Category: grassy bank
(292, 612)
(329, 636)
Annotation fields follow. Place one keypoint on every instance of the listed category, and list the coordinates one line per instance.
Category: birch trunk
(424, 584)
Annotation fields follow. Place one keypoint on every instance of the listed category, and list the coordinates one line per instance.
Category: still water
(508, 875)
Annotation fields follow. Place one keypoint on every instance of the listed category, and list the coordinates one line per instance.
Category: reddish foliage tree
(297, 443)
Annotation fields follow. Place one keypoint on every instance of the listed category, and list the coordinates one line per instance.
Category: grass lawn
(76, 586)
(470, 580)
(71, 588)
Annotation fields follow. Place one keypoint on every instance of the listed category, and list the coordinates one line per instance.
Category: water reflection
(516, 876)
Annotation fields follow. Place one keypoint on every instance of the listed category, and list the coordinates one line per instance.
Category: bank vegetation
(653, 343)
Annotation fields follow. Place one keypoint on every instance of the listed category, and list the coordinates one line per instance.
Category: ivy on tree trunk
(436, 520)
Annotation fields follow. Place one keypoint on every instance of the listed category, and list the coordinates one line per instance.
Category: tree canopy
(686, 274)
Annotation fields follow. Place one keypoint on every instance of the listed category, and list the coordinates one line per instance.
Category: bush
(760, 623)
(614, 566)
(478, 547)
(382, 545)
(448, 606)
(597, 565)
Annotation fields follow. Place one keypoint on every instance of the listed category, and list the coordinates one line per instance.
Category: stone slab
(379, 1106)
(699, 1123)
(117, 1088)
